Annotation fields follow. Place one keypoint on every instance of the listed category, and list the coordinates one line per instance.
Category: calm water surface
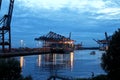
(75, 64)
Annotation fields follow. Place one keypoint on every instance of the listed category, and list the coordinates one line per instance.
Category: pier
(27, 53)
(15, 54)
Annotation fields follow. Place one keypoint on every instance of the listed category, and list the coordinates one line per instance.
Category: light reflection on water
(77, 64)
(21, 61)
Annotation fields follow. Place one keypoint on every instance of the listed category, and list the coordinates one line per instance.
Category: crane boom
(10, 11)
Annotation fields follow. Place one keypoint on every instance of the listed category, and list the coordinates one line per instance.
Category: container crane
(0, 3)
(5, 29)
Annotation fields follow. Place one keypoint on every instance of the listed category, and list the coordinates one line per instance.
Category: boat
(92, 53)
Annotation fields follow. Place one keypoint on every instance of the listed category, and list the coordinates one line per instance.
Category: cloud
(109, 13)
(43, 4)
(46, 8)
(84, 18)
(59, 4)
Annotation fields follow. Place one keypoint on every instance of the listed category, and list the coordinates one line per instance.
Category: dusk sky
(85, 19)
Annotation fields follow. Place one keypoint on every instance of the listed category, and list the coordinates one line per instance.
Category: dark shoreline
(88, 48)
(26, 53)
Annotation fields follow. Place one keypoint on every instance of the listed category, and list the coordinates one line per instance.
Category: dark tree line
(111, 59)
(10, 70)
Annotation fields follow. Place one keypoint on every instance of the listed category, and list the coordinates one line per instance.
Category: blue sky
(85, 19)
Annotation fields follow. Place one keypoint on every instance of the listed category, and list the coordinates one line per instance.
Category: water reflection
(21, 61)
(54, 62)
(39, 60)
(77, 64)
(71, 59)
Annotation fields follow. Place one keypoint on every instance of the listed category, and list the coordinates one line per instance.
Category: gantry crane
(5, 28)
(0, 3)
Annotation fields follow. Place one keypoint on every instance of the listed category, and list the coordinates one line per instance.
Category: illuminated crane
(5, 29)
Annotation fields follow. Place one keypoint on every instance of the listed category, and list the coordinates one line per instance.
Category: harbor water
(77, 64)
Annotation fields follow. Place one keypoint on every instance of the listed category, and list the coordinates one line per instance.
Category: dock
(25, 53)
(16, 54)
